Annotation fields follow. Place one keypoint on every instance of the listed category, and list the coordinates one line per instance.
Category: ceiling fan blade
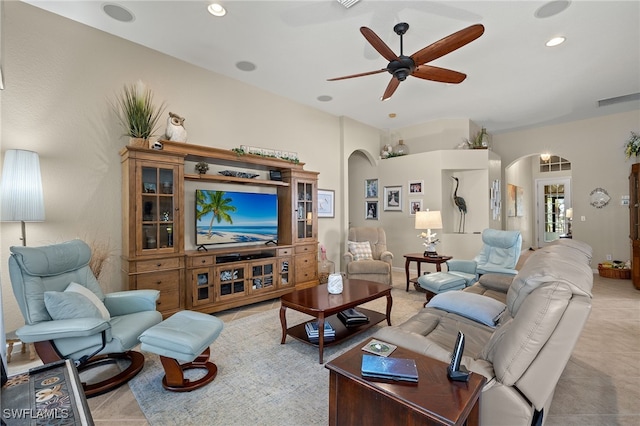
(442, 75)
(391, 87)
(357, 75)
(447, 44)
(378, 44)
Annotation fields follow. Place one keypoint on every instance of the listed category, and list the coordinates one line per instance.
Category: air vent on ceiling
(347, 3)
(619, 99)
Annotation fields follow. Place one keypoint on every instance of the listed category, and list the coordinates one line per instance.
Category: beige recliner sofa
(521, 350)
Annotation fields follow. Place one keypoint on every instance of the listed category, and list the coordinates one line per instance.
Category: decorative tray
(238, 174)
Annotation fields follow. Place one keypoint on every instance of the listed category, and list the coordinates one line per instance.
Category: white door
(553, 199)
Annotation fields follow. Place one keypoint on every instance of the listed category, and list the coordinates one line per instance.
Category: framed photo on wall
(393, 198)
(371, 188)
(326, 203)
(371, 210)
(414, 206)
(416, 187)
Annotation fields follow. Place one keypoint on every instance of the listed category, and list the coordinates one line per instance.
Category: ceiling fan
(401, 66)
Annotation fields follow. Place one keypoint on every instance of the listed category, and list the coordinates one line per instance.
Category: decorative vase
(325, 267)
(401, 148)
(334, 286)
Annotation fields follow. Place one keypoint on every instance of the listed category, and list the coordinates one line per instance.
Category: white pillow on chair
(360, 250)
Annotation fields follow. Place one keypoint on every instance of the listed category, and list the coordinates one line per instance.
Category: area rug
(259, 380)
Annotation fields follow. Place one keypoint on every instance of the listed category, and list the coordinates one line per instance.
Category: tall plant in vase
(137, 113)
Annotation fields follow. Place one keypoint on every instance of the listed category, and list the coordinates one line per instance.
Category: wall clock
(599, 198)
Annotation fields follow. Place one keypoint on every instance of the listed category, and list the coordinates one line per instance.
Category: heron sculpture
(462, 206)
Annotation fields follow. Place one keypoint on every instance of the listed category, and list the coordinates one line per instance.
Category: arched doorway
(542, 184)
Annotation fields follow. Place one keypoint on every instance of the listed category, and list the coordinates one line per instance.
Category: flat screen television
(224, 217)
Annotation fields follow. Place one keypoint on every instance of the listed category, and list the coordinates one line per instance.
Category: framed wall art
(326, 203)
(416, 187)
(371, 210)
(393, 198)
(414, 206)
(371, 188)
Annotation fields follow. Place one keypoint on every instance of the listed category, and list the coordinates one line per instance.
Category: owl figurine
(175, 128)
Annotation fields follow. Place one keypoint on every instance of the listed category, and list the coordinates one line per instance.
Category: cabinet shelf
(233, 179)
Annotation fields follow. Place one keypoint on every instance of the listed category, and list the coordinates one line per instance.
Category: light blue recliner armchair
(67, 316)
(500, 252)
(499, 255)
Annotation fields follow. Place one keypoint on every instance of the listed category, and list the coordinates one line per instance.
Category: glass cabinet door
(203, 290)
(304, 210)
(634, 204)
(262, 276)
(157, 208)
(230, 282)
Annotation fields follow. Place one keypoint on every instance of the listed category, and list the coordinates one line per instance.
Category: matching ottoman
(439, 282)
(185, 336)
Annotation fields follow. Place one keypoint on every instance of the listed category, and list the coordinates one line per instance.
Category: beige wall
(59, 76)
(595, 149)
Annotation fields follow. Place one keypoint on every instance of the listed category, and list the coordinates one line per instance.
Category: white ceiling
(513, 81)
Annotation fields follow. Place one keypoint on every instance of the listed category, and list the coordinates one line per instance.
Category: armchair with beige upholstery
(367, 257)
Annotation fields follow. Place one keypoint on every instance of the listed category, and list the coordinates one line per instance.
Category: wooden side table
(420, 258)
(12, 339)
(434, 400)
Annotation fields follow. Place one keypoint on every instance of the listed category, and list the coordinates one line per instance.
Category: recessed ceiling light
(392, 115)
(551, 8)
(555, 41)
(118, 12)
(246, 66)
(324, 98)
(216, 9)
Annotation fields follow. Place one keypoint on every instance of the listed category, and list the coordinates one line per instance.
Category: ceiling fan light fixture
(216, 9)
(556, 41)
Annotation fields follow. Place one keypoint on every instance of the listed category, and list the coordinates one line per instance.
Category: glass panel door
(554, 199)
(158, 206)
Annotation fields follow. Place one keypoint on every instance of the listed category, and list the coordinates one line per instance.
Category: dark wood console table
(420, 258)
(434, 400)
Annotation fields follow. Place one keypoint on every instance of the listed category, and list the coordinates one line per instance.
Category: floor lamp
(22, 199)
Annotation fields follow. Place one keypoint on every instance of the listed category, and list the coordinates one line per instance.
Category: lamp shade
(22, 199)
(569, 213)
(428, 219)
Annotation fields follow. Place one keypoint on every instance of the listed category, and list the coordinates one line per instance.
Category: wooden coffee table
(317, 302)
(434, 400)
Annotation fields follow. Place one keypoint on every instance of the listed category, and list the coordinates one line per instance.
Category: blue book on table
(389, 368)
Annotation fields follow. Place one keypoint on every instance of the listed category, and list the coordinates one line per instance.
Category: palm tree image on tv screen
(224, 217)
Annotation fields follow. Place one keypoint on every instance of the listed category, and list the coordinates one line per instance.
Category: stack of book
(352, 318)
(312, 331)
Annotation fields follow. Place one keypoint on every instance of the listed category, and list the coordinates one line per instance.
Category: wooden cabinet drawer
(168, 283)
(306, 248)
(306, 267)
(199, 261)
(163, 281)
(158, 264)
(284, 251)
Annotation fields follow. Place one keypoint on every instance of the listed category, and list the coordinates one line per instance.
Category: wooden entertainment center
(218, 278)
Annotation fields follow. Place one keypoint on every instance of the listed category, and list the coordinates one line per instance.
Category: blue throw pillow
(68, 305)
(479, 308)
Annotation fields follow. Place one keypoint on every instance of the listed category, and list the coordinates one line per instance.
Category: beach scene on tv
(235, 217)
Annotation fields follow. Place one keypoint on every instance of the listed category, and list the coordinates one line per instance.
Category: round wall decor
(599, 198)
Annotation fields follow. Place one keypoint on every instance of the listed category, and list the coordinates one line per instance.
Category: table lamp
(429, 220)
(22, 199)
(569, 215)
